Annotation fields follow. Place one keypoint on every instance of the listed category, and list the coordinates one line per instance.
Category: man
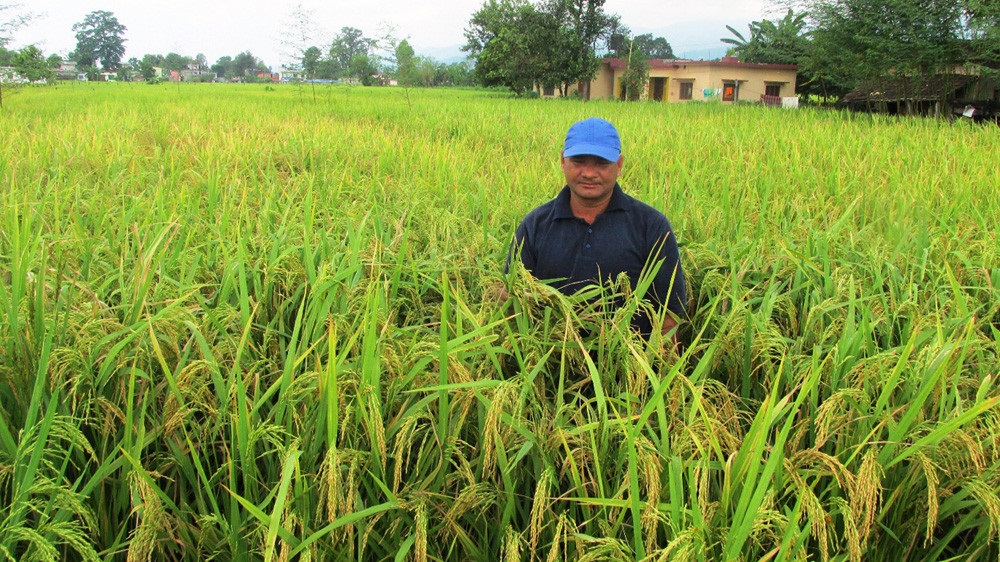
(593, 231)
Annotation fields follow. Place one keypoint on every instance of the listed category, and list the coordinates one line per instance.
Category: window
(730, 90)
(772, 90)
(549, 91)
(687, 90)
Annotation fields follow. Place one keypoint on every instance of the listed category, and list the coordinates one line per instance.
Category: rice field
(241, 322)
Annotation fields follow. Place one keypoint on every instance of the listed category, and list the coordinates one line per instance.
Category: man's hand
(497, 292)
(669, 323)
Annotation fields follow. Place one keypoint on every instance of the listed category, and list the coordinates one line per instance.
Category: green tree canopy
(406, 71)
(513, 44)
(30, 62)
(781, 42)
(855, 42)
(785, 41)
(364, 68)
(246, 64)
(518, 44)
(653, 47)
(176, 62)
(223, 67)
(621, 44)
(310, 61)
(100, 41)
(347, 46)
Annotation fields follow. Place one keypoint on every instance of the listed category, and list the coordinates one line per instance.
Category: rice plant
(240, 323)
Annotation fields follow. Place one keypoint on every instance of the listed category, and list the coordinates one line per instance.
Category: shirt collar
(619, 202)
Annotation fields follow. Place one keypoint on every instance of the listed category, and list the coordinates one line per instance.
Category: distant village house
(292, 74)
(193, 72)
(675, 80)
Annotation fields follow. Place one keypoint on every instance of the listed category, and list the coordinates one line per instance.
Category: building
(674, 80)
(67, 71)
(292, 74)
(955, 93)
(192, 72)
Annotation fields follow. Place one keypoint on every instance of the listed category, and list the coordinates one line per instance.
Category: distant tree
(860, 41)
(349, 44)
(983, 20)
(405, 64)
(100, 41)
(426, 71)
(327, 69)
(621, 43)
(458, 74)
(461, 74)
(781, 42)
(148, 65)
(785, 41)
(30, 63)
(126, 73)
(54, 61)
(11, 18)
(176, 62)
(513, 45)
(130, 70)
(363, 68)
(310, 61)
(246, 65)
(299, 42)
(520, 45)
(583, 25)
(653, 47)
(223, 68)
(629, 49)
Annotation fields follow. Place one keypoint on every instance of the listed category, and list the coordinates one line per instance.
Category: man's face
(591, 178)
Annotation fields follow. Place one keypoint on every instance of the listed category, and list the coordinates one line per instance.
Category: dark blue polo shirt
(560, 248)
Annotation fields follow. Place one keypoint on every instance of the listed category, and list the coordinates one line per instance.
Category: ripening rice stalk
(278, 322)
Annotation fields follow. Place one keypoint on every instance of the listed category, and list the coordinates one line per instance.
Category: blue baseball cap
(595, 137)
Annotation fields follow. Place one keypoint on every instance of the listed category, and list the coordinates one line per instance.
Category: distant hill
(698, 40)
(702, 54)
(448, 54)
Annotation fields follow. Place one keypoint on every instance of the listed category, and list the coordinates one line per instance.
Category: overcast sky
(227, 27)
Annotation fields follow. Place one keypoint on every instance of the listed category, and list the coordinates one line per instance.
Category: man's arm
(516, 250)
(669, 285)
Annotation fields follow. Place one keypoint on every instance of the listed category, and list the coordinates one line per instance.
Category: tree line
(373, 60)
(843, 44)
(837, 44)
(351, 55)
(557, 44)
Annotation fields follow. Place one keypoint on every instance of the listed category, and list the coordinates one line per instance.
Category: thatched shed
(940, 95)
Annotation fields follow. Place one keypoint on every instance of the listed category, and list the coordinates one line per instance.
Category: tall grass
(240, 323)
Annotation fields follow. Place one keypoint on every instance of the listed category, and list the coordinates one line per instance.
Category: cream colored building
(727, 80)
